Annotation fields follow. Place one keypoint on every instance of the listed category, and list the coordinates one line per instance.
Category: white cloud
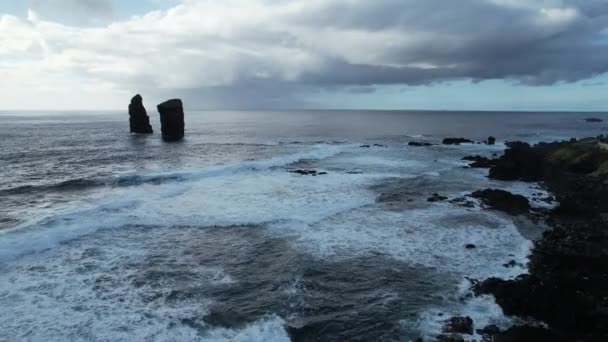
(204, 44)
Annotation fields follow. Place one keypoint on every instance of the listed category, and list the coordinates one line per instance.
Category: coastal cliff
(567, 284)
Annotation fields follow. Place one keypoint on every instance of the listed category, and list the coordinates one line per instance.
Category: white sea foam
(222, 197)
(329, 217)
(269, 330)
(433, 237)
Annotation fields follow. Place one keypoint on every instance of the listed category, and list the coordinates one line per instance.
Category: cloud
(77, 12)
(243, 50)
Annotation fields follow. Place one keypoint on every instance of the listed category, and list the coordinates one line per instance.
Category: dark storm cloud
(471, 39)
(271, 52)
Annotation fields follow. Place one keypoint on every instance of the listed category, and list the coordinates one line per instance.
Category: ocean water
(106, 236)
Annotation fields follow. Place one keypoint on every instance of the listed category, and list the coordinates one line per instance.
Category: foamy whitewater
(106, 236)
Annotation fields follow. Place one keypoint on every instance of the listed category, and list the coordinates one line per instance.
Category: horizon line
(322, 109)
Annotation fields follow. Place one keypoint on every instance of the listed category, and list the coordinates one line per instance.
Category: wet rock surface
(456, 141)
(437, 198)
(308, 172)
(503, 201)
(480, 162)
(567, 287)
(520, 162)
(419, 144)
(459, 325)
(172, 120)
(139, 121)
(594, 120)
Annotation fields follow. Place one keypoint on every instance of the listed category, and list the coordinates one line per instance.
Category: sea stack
(172, 119)
(138, 118)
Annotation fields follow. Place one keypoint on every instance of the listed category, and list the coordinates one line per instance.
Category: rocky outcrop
(308, 172)
(480, 162)
(419, 144)
(520, 162)
(567, 284)
(459, 325)
(172, 119)
(138, 117)
(437, 198)
(456, 141)
(503, 201)
(593, 120)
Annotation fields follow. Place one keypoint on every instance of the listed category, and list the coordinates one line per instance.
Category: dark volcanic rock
(480, 162)
(172, 119)
(138, 117)
(459, 325)
(490, 330)
(594, 120)
(456, 141)
(526, 333)
(450, 338)
(308, 172)
(419, 144)
(520, 162)
(470, 246)
(491, 140)
(437, 198)
(567, 287)
(503, 201)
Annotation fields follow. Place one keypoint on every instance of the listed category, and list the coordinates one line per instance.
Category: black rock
(520, 162)
(490, 330)
(437, 198)
(449, 338)
(419, 144)
(308, 172)
(470, 246)
(480, 162)
(503, 201)
(527, 333)
(459, 325)
(138, 117)
(365, 146)
(456, 141)
(491, 140)
(593, 120)
(172, 119)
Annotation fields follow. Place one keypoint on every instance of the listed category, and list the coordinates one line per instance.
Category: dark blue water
(106, 236)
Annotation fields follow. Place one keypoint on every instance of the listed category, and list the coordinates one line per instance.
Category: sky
(305, 54)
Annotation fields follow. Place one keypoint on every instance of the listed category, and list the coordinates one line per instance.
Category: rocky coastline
(565, 295)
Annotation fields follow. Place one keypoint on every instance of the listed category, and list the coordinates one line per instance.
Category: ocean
(107, 236)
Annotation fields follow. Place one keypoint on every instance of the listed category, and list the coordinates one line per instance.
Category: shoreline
(564, 297)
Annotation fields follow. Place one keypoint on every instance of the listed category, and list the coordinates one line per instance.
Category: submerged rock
(436, 198)
(419, 144)
(503, 201)
(172, 119)
(308, 172)
(459, 325)
(480, 162)
(593, 120)
(456, 141)
(139, 121)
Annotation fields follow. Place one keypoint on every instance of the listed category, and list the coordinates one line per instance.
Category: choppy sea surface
(107, 236)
